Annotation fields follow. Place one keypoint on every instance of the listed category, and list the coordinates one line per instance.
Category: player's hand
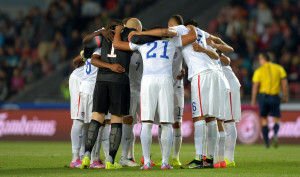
(198, 48)
(182, 73)
(132, 33)
(285, 99)
(119, 28)
(211, 43)
(108, 35)
(253, 103)
(117, 68)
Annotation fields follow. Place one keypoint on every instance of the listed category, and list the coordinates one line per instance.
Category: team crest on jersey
(82, 114)
(175, 55)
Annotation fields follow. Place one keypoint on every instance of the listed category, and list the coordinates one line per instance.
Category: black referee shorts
(269, 105)
(112, 97)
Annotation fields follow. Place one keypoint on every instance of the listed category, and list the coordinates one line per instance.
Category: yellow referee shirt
(269, 76)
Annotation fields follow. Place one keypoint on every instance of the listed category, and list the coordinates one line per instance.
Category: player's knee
(220, 126)
(196, 119)
(276, 120)
(98, 116)
(107, 122)
(210, 119)
(128, 120)
(116, 119)
(264, 121)
(177, 125)
(228, 121)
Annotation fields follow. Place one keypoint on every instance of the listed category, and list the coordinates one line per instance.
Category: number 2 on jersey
(164, 55)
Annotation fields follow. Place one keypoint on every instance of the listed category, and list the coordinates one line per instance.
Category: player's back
(112, 56)
(158, 56)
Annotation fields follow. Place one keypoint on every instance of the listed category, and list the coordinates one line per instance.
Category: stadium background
(38, 39)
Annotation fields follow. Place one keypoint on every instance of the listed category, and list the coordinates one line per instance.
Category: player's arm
(211, 53)
(107, 34)
(285, 90)
(118, 43)
(181, 74)
(142, 39)
(190, 37)
(77, 62)
(160, 32)
(219, 44)
(224, 59)
(101, 64)
(255, 87)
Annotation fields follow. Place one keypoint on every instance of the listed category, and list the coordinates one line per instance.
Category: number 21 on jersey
(151, 54)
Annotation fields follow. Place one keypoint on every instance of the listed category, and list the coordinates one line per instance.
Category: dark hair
(265, 55)
(114, 22)
(191, 22)
(177, 18)
(155, 27)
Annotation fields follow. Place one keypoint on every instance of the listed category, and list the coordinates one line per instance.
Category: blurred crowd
(251, 26)
(37, 42)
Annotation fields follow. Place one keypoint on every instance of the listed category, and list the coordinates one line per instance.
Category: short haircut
(191, 22)
(265, 55)
(177, 18)
(126, 19)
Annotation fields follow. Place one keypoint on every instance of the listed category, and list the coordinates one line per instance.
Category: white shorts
(225, 106)
(85, 107)
(235, 100)
(157, 91)
(74, 84)
(205, 94)
(134, 109)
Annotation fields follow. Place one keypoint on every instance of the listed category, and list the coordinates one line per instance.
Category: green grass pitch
(51, 159)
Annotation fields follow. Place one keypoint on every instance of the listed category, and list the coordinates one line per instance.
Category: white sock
(131, 147)
(205, 142)
(166, 141)
(221, 150)
(230, 141)
(105, 141)
(126, 139)
(146, 140)
(216, 154)
(159, 139)
(95, 155)
(199, 137)
(212, 138)
(76, 137)
(177, 141)
(84, 134)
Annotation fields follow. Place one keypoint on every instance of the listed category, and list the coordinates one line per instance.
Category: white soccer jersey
(196, 61)
(89, 75)
(158, 56)
(78, 72)
(135, 71)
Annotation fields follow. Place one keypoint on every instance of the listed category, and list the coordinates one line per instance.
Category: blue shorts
(269, 105)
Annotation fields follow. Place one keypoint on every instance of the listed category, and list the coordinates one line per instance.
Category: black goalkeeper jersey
(113, 56)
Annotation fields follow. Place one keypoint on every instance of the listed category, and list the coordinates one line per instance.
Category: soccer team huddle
(125, 74)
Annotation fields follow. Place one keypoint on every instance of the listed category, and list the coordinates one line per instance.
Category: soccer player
(76, 131)
(112, 93)
(205, 93)
(267, 80)
(156, 86)
(229, 126)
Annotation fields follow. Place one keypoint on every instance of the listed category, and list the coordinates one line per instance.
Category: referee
(267, 80)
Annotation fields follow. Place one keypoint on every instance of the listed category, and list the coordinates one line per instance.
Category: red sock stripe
(231, 105)
(78, 105)
(200, 95)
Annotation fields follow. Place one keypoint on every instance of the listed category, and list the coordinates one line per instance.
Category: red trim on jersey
(98, 41)
(78, 105)
(231, 105)
(200, 95)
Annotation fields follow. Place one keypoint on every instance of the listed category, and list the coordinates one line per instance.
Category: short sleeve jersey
(269, 76)
(196, 61)
(158, 56)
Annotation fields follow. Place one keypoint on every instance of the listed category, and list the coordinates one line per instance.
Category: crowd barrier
(54, 124)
